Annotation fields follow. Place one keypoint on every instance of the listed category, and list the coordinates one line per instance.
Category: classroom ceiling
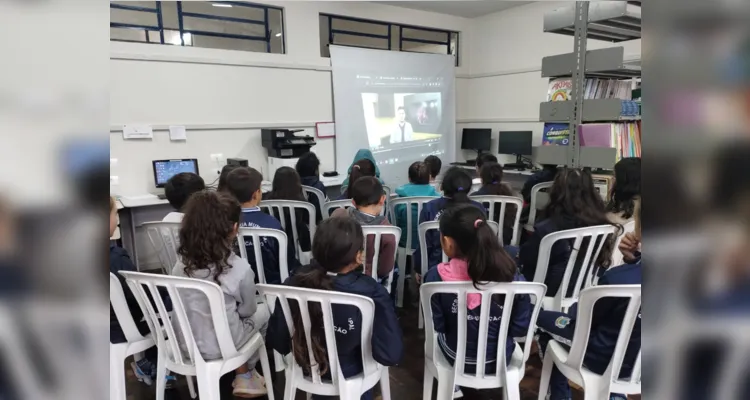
(463, 8)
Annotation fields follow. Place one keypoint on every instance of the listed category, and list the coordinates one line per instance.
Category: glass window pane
(276, 26)
(137, 35)
(323, 20)
(226, 10)
(173, 38)
(424, 47)
(360, 41)
(360, 27)
(132, 17)
(228, 44)
(414, 33)
(169, 15)
(235, 28)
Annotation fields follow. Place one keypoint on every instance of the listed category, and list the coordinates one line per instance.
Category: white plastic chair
(506, 376)
(539, 200)
(595, 234)
(378, 231)
(570, 363)
(617, 257)
(351, 388)
(408, 202)
(425, 227)
(309, 190)
(171, 357)
(135, 342)
(330, 206)
(165, 239)
(503, 201)
(256, 235)
(277, 207)
(387, 206)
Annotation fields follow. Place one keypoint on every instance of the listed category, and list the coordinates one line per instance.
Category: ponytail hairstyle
(456, 186)
(286, 185)
(363, 167)
(477, 243)
(338, 244)
(492, 179)
(419, 173)
(208, 231)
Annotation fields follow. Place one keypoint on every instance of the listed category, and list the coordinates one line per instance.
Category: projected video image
(401, 117)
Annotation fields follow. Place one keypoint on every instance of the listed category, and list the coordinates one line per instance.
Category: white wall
(224, 97)
(506, 86)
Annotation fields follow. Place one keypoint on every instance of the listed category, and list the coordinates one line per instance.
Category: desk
(514, 178)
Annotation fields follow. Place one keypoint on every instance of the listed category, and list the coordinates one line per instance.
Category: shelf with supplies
(595, 110)
(611, 21)
(602, 63)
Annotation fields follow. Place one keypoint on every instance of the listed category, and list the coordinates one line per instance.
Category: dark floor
(406, 378)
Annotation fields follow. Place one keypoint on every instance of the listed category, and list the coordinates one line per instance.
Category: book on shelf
(623, 136)
(594, 88)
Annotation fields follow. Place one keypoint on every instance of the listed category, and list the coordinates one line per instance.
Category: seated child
(308, 168)
(178, 190)
(475, 256)
(626, 190)
(222, 185)
(434, 165)
(419, 185)
(456, 186)
(362, 154)
(208, 231)
(606, 321)
(363, 167)
(337, 253)
(244, 184)
(492, 184)
(546, 174)
(286, 186)
(368, 198)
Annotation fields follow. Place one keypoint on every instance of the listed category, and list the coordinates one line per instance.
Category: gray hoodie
(387, 249)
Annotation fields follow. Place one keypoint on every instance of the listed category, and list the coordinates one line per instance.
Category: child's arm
(438, 318)
(521, 316)
(278, 336)
(246, 305)
(387, 342)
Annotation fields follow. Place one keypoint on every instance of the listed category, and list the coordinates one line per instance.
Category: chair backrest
(309, 190)
(177, 288)
(461, 290)
(266, 186)
(539, 200)
(277, 207)
(330, 206)
(409, 203)
(122, 312)
(378, 231)
(617, 258)
(326, 299)
(165, 239)
(257, 235)
(425, 227)
(597, 237)
(387, 205)
(492, 202)
(588, 299)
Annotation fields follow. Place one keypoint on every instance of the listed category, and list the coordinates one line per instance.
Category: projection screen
(400, 105)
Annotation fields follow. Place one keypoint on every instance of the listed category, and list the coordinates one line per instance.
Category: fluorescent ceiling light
(221, 5)
(278, 34)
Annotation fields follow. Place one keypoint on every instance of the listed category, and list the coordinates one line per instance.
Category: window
(227, 25)
(358, 32)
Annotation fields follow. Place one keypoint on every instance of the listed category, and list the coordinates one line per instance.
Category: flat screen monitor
(514, 142)
(165, 169)
(476, 139)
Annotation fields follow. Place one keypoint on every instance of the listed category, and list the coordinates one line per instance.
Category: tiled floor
(406, 379)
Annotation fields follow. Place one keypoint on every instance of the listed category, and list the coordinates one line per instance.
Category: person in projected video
(402, 131)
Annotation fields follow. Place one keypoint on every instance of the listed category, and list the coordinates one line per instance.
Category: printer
(284, 148)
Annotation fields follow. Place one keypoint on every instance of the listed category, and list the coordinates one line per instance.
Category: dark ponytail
(419, 173)
(492, 180)
(478, 244)
(363, 167)
(336, 245)
(456, 186)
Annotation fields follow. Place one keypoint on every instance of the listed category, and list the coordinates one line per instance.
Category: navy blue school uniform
(445, 318)
(431, 211)
(606, 321)
(510, 210)
(387, 345)
(314, 181)
(301, 217)
(559, 256)
(269, 247)
(545, 175)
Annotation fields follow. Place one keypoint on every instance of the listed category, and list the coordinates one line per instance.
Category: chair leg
(385, 384)
(161, 375)
(547, 365)
(401, 277)
(512, 388)
(429, 381)
(445, 387)
(421, 317)
(191, 386)
(117, 374)
(289, 389)
(208, 382)
(267, 371)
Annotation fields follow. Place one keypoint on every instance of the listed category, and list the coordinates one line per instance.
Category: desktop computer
(165, 169)
(516, 143)
(477, 140)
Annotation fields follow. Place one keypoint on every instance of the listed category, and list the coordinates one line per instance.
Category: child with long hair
(287, 185)
(337, 253)
(492, 185)
(206, 238)
(456, 186)
(475, 256)
(419, 185)
(308, 168)
(434, 164)
(363, 167)
(362, 154)
(625, 191)
(574, 203)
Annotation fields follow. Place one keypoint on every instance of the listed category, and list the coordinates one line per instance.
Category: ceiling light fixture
(278, 34)
(221, 5)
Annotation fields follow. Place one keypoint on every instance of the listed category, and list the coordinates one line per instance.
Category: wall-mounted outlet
(114, 180)
(217, 158)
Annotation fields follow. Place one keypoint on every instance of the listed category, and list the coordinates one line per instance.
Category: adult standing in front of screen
(402, 131)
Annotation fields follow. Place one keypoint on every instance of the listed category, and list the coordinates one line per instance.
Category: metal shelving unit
(613, 21)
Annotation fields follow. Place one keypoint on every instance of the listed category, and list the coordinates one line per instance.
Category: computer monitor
(476, 139)
(165, 169)
(514, 142)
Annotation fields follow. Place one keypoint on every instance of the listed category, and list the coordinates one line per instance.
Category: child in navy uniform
(475, 256)
(178, 190)
(606, 321)
(308, 168)
(456, 186)
(337, 252)
(287, 186)
(244, 184)
(492, 185)
(546, 174)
